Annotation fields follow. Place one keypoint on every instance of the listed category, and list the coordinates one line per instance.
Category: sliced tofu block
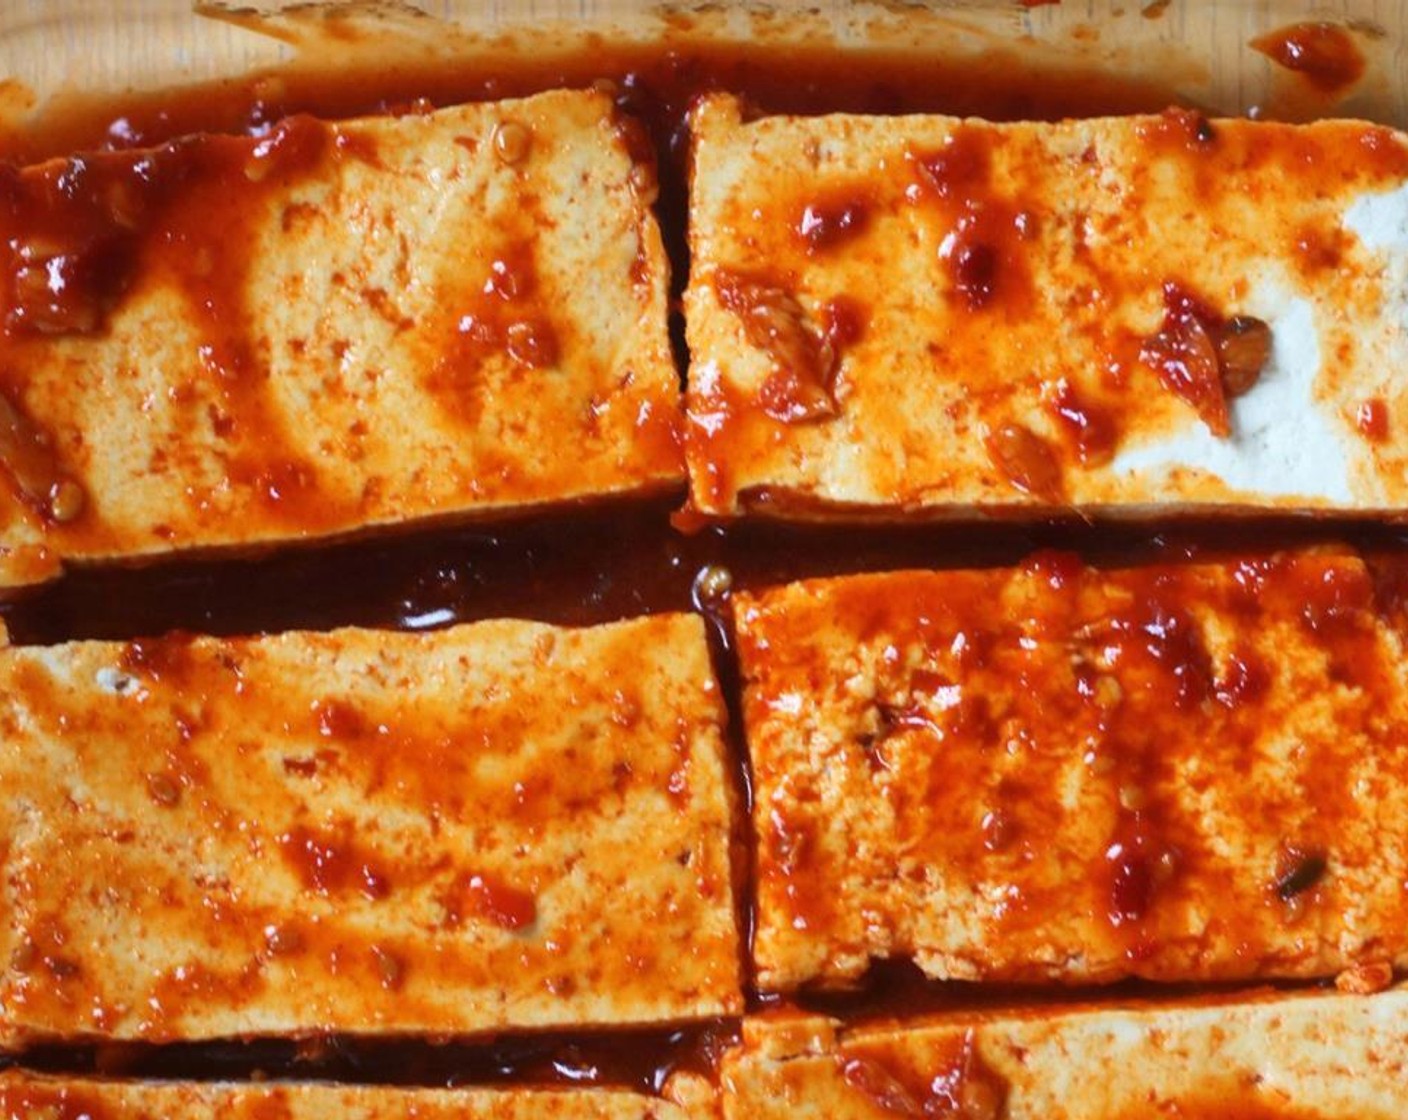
(66, 1098)
(230, 342)
(1307, 1057)
(1182, 773)
(923, 316)
(364, 832)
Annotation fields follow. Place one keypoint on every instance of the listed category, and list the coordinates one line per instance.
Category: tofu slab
(900, 317)
(1053, 773)
(62, 1098)
(235, 342)
(1311, 1057)
(364, 832)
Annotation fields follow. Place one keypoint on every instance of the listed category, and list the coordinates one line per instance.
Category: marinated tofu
(364, 832)
(38, 1097)
(902, 317)
(1307, 1057)
(240, 342)
(1191, 772)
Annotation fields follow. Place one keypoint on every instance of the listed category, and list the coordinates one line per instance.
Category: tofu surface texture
(233, 342)
(364, 832)
(923, 316)
(1053, 773)
(36, 1097)
(1309, 1057)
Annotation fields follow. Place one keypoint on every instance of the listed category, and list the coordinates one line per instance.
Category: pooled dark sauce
(598, 563)
(636, 1059)
(591, 565)
(656, 82)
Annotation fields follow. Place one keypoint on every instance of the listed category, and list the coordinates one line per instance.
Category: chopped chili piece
(1091, 426)
(1026, 460)
(800, 387)
(1184, 356)
(1204, 358)
(1243, 348)
(1298, 870)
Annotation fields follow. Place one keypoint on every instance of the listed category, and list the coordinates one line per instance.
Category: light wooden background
(101, 45)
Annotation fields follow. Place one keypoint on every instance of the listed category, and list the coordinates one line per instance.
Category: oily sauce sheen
(588, 564)
(1324, 55)
(84, 230)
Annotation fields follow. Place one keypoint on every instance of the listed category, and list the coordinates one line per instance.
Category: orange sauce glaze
(957, 1084)
(1172, 704)
(85, 229)
(986, 206)
(954, 1082)
(585, 566)
(655, 84)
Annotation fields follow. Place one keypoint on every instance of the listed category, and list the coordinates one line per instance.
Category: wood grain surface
(51, 46)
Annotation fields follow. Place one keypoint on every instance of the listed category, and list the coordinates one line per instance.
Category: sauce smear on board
(1323, 54)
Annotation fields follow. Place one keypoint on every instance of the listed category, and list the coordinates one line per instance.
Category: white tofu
(365, 832)
(37, 1097)
(901, 317)
(1057, 774)
(1306, 1057)
(237, 343)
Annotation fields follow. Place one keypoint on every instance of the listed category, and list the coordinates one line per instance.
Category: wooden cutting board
(48, 46)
